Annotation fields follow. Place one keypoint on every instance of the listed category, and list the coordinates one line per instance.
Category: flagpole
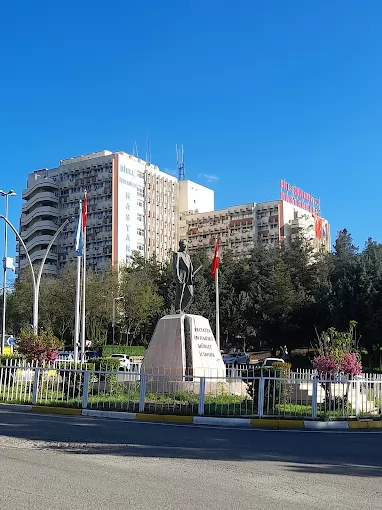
(217, 308)
(78, 302)
(83, 300)
(83, 328)
(77, 311)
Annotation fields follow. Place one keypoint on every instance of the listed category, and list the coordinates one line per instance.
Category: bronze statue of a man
(183, 272)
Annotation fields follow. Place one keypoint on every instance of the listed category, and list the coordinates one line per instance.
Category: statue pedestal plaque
(182, 350)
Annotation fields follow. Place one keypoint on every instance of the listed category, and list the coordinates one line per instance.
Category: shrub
(108, 365)
(350, 364)
(104, 363)
(6, 358)
(40, 347)
(325, 366)
(130, 350)
(275, 391)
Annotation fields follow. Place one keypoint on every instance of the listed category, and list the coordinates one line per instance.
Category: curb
(56, 410)
(256, 423)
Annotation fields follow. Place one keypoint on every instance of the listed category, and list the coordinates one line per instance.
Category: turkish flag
(85, 212)
(215, 262)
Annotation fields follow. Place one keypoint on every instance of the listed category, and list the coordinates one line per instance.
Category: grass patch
(293, 410)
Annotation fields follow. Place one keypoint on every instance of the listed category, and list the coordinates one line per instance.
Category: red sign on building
(298, 197)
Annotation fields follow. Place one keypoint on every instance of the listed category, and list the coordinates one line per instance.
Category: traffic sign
(11, 341)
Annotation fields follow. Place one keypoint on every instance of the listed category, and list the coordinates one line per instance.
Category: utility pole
(8, 194)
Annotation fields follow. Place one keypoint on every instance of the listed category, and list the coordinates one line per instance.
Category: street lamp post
(8, 194)
(35, 281)
(114, 306)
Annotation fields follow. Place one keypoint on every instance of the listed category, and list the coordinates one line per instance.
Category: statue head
(182, 245)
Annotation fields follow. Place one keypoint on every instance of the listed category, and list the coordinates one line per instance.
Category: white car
(124, 361)
(268, 362)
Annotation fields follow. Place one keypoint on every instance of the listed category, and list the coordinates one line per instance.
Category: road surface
(70, 462)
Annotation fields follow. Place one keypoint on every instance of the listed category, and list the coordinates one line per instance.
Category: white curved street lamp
(35, 281)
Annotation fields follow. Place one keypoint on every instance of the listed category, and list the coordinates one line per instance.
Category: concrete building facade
(195, 198)
(239, 227)
(132, 206)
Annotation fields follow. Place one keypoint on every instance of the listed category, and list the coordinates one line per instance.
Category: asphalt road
(65, 462)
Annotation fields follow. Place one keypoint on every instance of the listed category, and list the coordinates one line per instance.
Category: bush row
(104, 363)
(4, 358)
(130, 350)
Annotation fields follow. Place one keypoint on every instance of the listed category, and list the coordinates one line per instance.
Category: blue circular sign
(11, 341)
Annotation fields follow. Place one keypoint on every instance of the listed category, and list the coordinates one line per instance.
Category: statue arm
(175, 266)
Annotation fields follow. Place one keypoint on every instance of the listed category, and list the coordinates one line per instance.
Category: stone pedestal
(182, 350)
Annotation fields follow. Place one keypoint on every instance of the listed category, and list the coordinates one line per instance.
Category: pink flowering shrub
(325, 365)
(337, 352)
(350, 364)
(41, 347)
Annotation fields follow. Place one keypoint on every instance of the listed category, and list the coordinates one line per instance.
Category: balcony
(43, 239)
(43, 196)
(38, 255)
(40, 183)
(38, 225)
(43, 210)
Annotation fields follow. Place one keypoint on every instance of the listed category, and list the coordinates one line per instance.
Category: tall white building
(132, 206)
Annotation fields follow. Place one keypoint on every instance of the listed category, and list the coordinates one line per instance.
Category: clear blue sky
(255, 90)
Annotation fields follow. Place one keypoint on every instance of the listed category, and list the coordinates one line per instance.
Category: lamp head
(11, 193)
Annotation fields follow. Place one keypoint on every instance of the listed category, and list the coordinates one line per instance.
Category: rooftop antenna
(180, 162)
(135, 149)
(148, 152)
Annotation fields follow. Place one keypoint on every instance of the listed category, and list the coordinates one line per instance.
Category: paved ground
(76, 463)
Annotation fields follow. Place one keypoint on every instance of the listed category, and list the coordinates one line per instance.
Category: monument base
(182, 350)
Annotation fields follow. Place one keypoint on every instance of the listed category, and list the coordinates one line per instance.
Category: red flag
(85, 212)
(215, 262)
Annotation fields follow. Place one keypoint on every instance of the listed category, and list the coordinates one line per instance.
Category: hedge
(130, 350)
(104, 363)
(7, 357)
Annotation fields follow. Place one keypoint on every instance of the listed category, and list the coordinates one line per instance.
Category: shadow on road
(347, 454)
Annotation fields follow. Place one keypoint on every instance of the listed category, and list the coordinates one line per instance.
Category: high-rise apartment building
(239, 227)
(132, 206)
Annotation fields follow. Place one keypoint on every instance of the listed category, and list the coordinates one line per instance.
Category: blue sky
(255, 90)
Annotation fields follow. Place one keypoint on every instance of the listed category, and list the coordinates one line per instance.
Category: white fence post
(260, 400)
(357, 397)
(314, 397)
(85, 391)
(35, 385)
(142, 393)
(202, 394)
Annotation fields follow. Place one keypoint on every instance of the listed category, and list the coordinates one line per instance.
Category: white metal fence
(301, 394)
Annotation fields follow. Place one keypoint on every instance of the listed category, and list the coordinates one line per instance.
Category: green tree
(141, 302)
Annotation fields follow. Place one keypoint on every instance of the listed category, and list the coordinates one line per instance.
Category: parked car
(268, 362)
(124, 361)
(236, 358)
(65, 356)
(91, 354)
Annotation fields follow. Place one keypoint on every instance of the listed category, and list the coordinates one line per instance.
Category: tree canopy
(278, 295)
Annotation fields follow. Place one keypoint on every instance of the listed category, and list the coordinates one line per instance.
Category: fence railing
(304, 395)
